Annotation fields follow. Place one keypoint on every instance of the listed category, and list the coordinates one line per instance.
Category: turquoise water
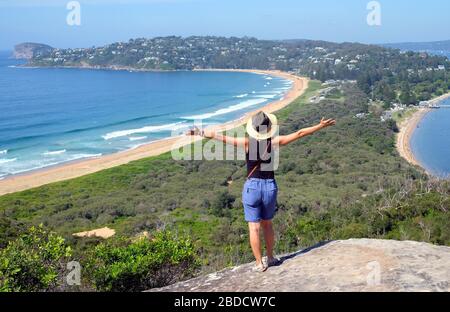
(430, 142)
(49, 116)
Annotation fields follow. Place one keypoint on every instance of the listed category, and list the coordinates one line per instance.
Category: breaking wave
(227, 110)
(5, 161)
(54, 153)
(147, 129)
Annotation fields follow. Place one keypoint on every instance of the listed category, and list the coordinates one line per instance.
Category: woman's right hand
(206, 133)
(193, 131)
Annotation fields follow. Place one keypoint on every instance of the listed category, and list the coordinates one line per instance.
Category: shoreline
(407, 129)
(439, 98)
(79, 168)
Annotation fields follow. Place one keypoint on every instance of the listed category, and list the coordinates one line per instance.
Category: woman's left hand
(327, 122)
(209, 133)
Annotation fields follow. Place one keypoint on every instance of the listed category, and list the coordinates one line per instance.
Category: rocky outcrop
(340, 266)
(28, 50)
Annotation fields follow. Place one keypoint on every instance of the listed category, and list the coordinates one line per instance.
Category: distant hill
(436, 47)
(28, 50)
(385, 74)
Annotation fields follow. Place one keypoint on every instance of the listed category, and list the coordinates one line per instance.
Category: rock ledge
(352, 265)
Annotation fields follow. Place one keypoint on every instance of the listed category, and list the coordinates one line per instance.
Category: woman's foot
(271, 262)
(261, 267)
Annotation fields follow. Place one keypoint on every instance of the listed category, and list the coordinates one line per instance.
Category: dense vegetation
(41, 260)
(347, 181)
(33, 262)
(121, 265)
(384, 74)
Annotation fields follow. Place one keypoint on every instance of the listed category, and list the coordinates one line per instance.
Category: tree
(384, 92)
(406, 96)
(392, 124)
(365, 83)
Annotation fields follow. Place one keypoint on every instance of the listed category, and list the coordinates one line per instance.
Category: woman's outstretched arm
(287, 139)
(210, 134)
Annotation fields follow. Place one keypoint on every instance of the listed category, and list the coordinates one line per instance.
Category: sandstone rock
(339, 266)
(29, 50)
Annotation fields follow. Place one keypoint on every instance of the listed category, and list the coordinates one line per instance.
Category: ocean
(430, 142)
(50, 116)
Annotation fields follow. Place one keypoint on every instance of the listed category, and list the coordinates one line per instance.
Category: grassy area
(401, 116)
(313, 89)
(336, 95)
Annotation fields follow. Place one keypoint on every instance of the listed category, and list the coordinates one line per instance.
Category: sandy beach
(80, 168)
(407, 128)
(439, 99)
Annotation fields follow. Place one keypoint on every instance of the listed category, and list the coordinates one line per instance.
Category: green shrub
(33, 261)
(9, 230)
(124, 265)
(352, 230)
(222, 204)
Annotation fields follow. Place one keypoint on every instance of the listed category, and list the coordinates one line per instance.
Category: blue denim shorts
(259, 198)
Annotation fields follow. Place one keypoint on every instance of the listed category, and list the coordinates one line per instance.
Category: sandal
(261, 268)
(274, 262)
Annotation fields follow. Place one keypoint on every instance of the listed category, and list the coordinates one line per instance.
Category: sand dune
(102, 233)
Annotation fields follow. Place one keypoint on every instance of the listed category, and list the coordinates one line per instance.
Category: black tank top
(259, 155)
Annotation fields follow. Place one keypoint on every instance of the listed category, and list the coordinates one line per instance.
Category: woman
(259, 195)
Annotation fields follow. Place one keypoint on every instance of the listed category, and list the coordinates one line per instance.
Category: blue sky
(104, 21)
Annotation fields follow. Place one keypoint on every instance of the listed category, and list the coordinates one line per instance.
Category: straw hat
(262, 136)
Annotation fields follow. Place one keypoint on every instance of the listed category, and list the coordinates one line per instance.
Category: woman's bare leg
(255, 242)
(269, 237)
